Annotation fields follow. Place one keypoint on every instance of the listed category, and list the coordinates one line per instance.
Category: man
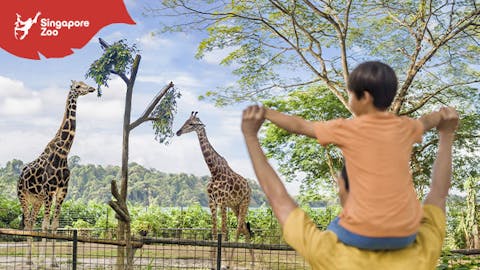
(321, 249)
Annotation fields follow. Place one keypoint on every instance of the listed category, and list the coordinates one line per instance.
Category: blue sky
(33, 94)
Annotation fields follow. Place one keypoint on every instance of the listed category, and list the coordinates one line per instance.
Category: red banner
(54, 27)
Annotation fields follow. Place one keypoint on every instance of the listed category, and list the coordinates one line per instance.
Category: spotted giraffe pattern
(45, 179)
(226, 187)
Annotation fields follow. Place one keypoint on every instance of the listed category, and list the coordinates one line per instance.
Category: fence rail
(185, 249)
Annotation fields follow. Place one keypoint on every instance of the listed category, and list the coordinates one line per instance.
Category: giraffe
(45, 179)
(226, 187)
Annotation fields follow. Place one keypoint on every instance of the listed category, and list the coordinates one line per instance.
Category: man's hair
(376, 78)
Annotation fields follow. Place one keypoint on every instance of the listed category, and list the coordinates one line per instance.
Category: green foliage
(455, 238)
(451, 261)
(10, 214)
(9, 176)
(323, 216)
(164, 113)
(299, 157)
(149, 187)
(117, 58)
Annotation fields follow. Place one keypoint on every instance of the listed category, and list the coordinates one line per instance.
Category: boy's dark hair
(378, 79)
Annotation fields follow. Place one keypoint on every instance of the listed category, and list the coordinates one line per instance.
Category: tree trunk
(476, 236)
(124, 233)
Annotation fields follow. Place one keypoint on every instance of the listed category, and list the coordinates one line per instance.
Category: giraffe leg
(30, 219)
(213, 211)
(236, 212)
(223, 210)
(26, 225)
(242, 226)
(60, 197)
(46, 222)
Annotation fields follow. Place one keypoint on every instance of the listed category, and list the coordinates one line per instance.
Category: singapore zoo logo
(48, 26)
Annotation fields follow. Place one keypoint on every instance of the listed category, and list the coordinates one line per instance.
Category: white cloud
(152, 41)
(10, 87)
(20, 106)
(180, 79)
(216, 56)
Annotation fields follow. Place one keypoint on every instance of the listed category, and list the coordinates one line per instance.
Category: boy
(382, 211)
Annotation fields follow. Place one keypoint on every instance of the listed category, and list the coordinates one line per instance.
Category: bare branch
(114, 190)
(123, 216)
(425, 99)
(459, 27)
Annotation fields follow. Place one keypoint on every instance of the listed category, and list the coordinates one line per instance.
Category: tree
(432, 45)
(9, 176)
(118, 59)
(470, 223)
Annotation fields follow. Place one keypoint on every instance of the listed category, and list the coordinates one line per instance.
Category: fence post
(219, 251)
(74, 251)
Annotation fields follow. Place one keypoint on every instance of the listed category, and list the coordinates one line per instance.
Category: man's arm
(280, 201)
(442, 168)
(292, 124)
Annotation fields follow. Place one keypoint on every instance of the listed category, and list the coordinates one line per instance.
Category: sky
(33, 95)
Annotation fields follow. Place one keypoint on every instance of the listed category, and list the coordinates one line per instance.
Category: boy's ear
(367, 97)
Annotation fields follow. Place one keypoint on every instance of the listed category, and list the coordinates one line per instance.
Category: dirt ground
(13, 256)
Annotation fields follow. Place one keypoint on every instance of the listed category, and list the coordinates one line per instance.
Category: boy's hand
(449, 121)
(252, 119)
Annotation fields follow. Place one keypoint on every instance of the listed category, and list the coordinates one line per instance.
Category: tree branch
(145, 116)
(459, 27)
(121, 213)
(114, 190)
(431, 95)
(121, 75)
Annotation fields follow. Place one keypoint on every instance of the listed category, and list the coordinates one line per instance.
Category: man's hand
(252, 119)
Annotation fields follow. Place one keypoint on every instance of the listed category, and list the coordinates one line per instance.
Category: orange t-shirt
(382, 201)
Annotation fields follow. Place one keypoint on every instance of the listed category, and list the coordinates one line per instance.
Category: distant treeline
(146, 186)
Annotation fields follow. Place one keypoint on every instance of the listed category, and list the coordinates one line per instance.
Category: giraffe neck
(63, 140)
(212, 158)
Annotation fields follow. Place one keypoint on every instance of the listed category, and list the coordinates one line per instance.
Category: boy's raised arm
(292, 124)
(280, 201)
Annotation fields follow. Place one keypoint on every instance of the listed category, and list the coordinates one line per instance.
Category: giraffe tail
(22, 222)
(250, 232)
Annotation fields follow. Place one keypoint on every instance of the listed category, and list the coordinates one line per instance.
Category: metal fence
(170, 249)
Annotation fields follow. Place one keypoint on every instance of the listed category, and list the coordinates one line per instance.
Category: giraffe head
(192, 124)
(81, 88)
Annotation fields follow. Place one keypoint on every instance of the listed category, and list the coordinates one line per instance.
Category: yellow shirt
(382, 201)
(322, 250)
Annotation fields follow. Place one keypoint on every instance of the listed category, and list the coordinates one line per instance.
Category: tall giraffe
(226, 187)
(45, 179)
